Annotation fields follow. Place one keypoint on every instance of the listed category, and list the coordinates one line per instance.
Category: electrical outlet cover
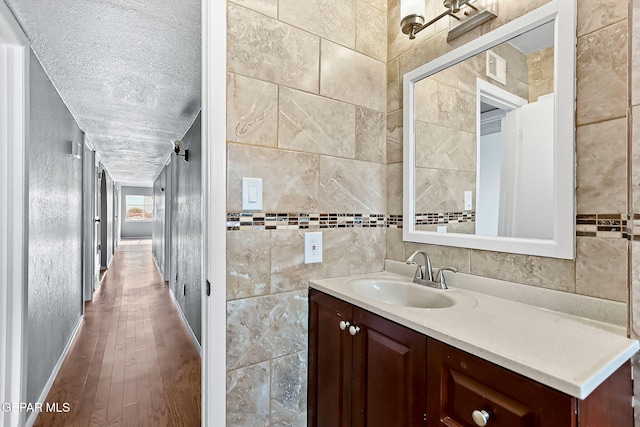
(313, 247)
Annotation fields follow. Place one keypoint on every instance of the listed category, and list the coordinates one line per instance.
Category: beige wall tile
(329, 19)
(337, 252)
(427, 50)
(426, 100)
(395, 244)
(394, 188)
(288, 270)
(380, 4)
(290, 181)
(315, 124)
(602, 167)
(352, 77)
(442, 190)
(248, 395)
(436, 146)
(367, 244)
(369, 39)
(457, 108)
(442, 256)
(352, 186)
(547, 273)
(394, 137)
(440, 147)
(508, 10)
(267, 7)
(252, 111)
(266, 49)
(370, 136)
(601, 268)
(345, 252)
(248, 263)
(288, 388)
(394, 84)
(596, 14)
(635, 53)
(265, 328)
(601, 70)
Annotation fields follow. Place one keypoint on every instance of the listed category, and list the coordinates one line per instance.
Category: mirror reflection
(484, 142)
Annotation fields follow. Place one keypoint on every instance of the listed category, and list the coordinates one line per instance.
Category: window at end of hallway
(139, 208)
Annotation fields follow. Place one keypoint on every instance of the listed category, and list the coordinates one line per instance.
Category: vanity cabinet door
(371, 374)
(463, 389)
(330, 361)
(389, 373)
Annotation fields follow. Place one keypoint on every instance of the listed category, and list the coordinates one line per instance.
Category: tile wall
(306, 105)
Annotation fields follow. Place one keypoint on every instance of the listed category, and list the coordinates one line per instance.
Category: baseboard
(31, 419)
(186, 323)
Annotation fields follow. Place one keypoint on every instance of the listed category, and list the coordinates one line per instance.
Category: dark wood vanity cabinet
(372, 373)
(460, 384)
(386, 375)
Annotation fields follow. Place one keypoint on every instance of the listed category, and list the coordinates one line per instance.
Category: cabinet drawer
(469, 396)
(459, 384)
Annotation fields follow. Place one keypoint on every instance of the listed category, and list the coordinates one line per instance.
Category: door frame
(14, 221)
(214, 190)
(89, 217)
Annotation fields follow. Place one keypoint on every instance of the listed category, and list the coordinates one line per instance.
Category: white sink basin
(397, 292)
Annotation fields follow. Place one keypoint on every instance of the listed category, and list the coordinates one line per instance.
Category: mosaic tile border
(440, 218)
(603, 225)
(615, 226)
(255, 221)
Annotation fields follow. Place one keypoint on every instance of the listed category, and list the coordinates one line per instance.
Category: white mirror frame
(563, 243)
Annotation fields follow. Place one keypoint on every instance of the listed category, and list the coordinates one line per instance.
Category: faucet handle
(441, 271)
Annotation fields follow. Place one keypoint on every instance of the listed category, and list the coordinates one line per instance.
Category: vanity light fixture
(176, 148)
(468, 14)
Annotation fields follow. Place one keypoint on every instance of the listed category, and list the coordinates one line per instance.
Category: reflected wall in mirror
(489, 134)
(483, 135)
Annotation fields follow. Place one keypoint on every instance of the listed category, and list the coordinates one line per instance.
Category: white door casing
(14, 129)
(214, 188)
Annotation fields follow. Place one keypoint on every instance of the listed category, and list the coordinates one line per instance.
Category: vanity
(386, 352)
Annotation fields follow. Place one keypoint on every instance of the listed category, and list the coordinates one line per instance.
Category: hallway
(133, 362)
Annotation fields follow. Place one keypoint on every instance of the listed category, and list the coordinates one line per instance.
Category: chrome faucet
(422, 277)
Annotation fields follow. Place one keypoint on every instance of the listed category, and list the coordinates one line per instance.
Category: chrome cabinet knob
(344, 325)
(480, 417)
(354, 329)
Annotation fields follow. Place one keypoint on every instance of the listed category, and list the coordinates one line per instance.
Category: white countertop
(565, 352)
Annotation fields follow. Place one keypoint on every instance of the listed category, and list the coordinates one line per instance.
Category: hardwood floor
(133, 363)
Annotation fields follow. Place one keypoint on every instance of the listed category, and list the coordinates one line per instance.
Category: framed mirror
(489, 140)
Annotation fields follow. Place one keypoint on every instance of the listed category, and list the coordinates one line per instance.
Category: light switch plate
(468, 200)
(313, 247)
(251, 194)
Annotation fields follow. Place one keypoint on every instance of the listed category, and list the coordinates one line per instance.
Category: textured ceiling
(129, 71)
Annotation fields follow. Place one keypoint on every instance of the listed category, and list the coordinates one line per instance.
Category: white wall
(533, 214)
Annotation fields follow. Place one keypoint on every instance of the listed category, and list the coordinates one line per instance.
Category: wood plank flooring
(133, 362)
